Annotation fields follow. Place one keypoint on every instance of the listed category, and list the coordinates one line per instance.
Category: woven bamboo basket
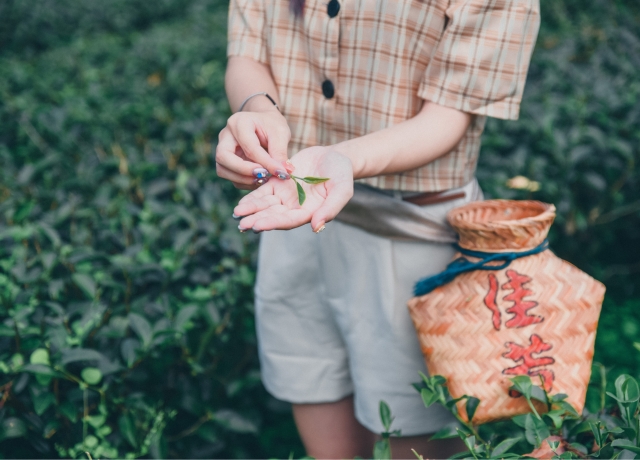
(536, 317)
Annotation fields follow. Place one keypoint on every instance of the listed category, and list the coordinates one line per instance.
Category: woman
(392, 94)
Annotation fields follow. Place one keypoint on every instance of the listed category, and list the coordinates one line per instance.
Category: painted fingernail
(280, 174)
(242, 230)
(260, 181)
(260, 173)
(289, 166)
(322, 227)
(236, 217)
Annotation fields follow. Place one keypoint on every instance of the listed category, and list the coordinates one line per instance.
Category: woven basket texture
(536, 317)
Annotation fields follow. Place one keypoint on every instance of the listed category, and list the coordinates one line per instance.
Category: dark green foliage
(559, 432)
(125, 288)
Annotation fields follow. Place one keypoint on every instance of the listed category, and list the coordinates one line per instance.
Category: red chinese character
(490, 301)
(529, 364)
(520, 306)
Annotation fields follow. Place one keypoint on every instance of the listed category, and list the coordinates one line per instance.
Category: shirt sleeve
(245, 32)
(480, 63)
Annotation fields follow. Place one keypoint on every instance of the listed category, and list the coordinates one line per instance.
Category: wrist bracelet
(258, 94)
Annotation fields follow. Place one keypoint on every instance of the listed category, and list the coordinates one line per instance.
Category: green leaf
(40, 356)
(91, 441)
(553, 444)
(85, 283)
(470, 442)
(233, 421)
(42, 402)
(141, 327)
(12, 427)
(447, 432)
(385, 415)
(91, 375)
(471, 406)
(556, 417)
(183, 317)
(504, 446)
(522, 384)
(597, 433)
(315, 180)
(127, 428)
(39, 369)
(539, 394)
(382, 450)
(626, 444)
(428, 397)
(71, 355)
(301, 195)
(536, 430)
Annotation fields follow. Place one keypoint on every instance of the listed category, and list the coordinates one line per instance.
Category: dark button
(333, 8)
(327, 89)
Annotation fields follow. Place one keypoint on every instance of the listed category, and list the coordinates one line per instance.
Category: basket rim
(547, 213)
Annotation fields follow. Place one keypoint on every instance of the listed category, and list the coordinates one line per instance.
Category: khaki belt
(427, 198)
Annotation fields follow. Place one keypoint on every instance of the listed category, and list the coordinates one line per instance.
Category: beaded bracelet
(258, 94)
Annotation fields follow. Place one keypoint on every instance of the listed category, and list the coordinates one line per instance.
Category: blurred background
(126, 318)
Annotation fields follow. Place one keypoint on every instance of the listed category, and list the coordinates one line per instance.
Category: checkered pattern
(384, 57)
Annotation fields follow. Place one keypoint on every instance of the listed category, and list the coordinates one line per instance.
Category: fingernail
(322, 227)
(260, 181)
(242, 230)
(289, 166)
(256, 231)
(260, 173)
(283, 175)
(236, 217)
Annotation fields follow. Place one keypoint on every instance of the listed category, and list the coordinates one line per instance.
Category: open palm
(275, 205)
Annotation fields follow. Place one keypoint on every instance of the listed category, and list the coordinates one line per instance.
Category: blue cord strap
(462, 265)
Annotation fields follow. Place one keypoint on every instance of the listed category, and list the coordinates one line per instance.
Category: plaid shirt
(351, 67)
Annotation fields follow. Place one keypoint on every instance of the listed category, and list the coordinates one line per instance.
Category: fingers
(276, 218)
(256, 204)
(247, 132)
(234, 177)
(227, 158)
(338, 195)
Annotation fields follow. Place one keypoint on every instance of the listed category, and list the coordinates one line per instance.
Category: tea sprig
(302, 196)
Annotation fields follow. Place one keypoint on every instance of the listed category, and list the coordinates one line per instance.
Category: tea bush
(126, 324)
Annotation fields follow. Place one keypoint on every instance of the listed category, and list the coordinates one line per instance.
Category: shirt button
(327, 89)
(333, 8)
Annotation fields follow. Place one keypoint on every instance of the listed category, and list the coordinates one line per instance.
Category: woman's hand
(250, 143)
(275, 206)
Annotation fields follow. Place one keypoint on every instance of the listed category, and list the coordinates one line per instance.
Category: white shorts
(332, 320)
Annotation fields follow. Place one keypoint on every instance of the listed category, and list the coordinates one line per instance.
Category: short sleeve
(480, 63)
(246, 27)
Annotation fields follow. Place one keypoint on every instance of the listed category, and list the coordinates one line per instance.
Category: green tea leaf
(42, 402)
(471, 406)
(301, 195)
(447, 432)
(127, 428)
(12, 427)
(315, 180)
(504, 446)
(91, 375)
(535, 430)
(428, 397)
(556, 417)
(142, 327)
(382, 450)
(626, 444)
(85, 283)
(40, 356)
(385, 415)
